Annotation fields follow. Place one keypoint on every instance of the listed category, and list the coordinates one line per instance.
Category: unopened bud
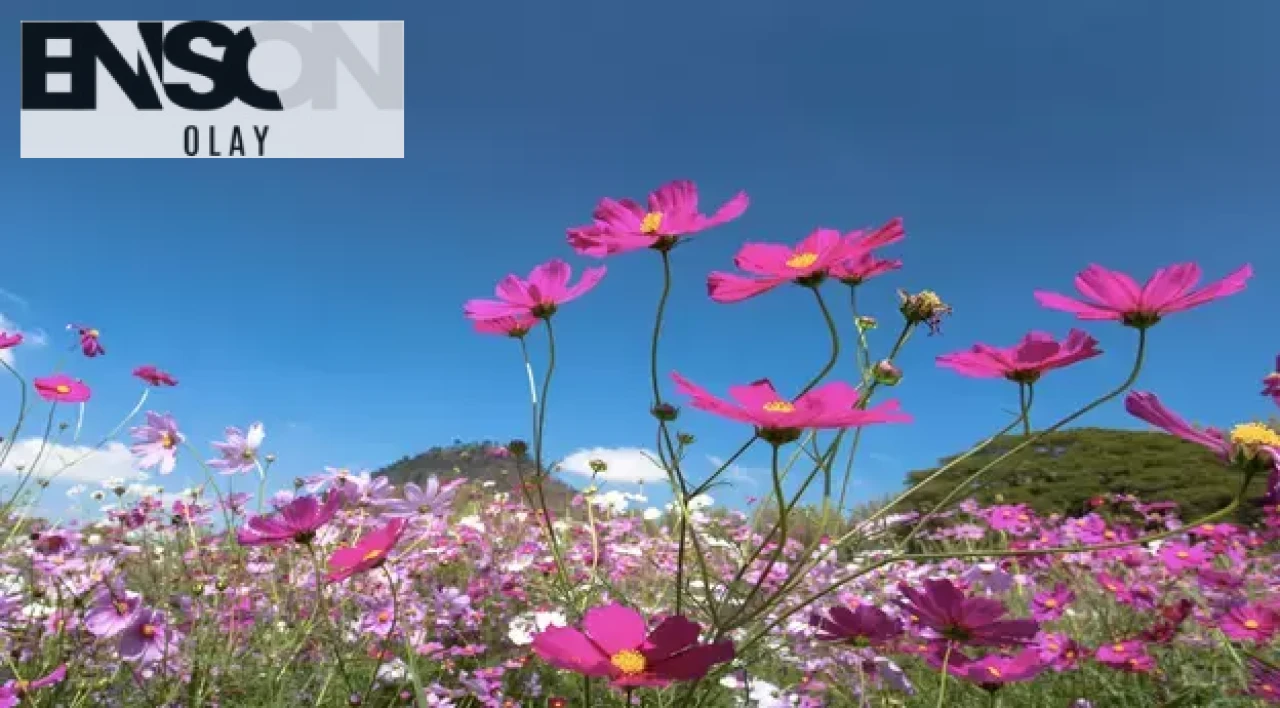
(63, 425)
(886, 373)
(598, 466)
(665, 412)
(271, 457)
(686, 438)
(299, 483)
(866, 323)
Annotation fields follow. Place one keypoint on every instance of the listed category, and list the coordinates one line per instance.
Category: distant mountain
(474, 462)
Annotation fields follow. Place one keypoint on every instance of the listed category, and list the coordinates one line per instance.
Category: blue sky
(1020, 141)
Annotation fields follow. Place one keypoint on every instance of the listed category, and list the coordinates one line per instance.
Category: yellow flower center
(167, 441)
(1117, 648)
(247, 454)
(995, 673)
(1183, 554)
(1206, 528)
(1251, 435)
(651, 223)
(374, 555)
(802, 260)
(62, 388)
(384, 616)
(1109, 534)
(1023, 517)
(93, 333)
(1051, 603)
(629, 662)
(148, 630)
(1251, 624)
(779, 407)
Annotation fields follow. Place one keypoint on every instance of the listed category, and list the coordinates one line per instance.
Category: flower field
(347, 590)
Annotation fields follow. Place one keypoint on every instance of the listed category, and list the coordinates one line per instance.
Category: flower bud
(665, 412)
(598, 466)
(686, 438)
(518, 448)
(886, 373)
(866, 323)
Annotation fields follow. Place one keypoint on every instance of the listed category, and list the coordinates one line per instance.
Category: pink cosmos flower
(953, 616)
(1128, 656)
(773, 264)
(994, 670)
(239, 453)
(620, 226)
(8, 341)
(368, 553)
(426, 500)
(1112, 295)
(1179, 557)
(1270, 384)
(61, 388)
(889, 233)
(863, 625)
(1251, 622)
(14, 691)
(1264, 681)
(1026, 361)
(858, 269)
(615, 643)
(514, 326)
(1048, 606)
(89, 343)
(540, 296)
(155, 376)
(829, 406)
(157, 442)
(112, 611)
(1248, 443)
(149, 638)
(296, 521)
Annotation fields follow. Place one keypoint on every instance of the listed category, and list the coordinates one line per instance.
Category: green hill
(1064, 470)
(474, 462)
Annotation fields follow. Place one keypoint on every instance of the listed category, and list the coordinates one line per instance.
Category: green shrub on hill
(1064, 470)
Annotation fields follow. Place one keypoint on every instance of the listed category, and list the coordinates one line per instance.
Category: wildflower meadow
(349, 590)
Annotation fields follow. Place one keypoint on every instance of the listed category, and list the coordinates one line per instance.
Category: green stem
(1025, 391)
(22, 412)
(942, 683)
(657, 326)
(538, 438)
(835, 343)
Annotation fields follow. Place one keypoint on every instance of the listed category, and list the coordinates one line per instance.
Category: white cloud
(750, 476)
(31, 339)
(624, 464)
(86, 463)
(7, 295)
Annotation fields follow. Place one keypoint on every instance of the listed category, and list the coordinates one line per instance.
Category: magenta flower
(13, 692)
(953, 616)
(771, 265)
(620, 226)
(154, 376)
(1049, 606)
(540, 296)
(1112, 295)
(1251, 622)
(1247, 444)
(514, 326)
(1128, 656)
(858, 269)
(831, 405)
(1179, 557)
(432, 498)
(864, 625)
(8, 341)
(368, 553)
(239, 453)
(149, 638)
(1026, 361)
(615, 643)
(296, 521)
(1264, 681)
(111, 611)
(61, 388)
(1270, 384)
(89, 343)
(994, 670)
(157, 442)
